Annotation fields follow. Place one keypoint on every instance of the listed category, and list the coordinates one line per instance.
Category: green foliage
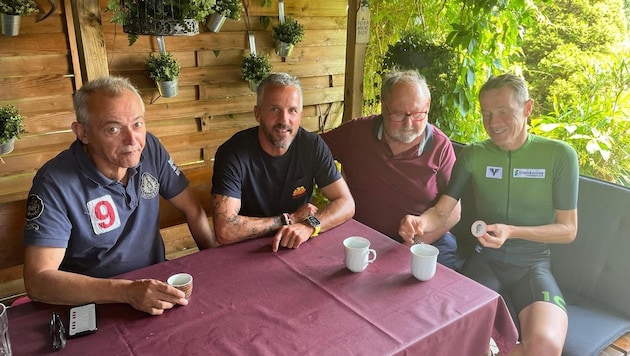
(255, 67)
(163, 67)
(569, 35)
(484, 36)
(231, 9)
(595, 121)
(565, 49)
(11, 123)
(436, 61)
(18, 7)
(290, 31)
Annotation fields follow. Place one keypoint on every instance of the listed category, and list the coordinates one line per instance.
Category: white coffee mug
(423, 261)
(357, 256)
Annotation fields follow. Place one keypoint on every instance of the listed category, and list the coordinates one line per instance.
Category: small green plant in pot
(164, 70)
(12, 11)
(254, 69)
(287, 35)
(11, 126)
(222, 10)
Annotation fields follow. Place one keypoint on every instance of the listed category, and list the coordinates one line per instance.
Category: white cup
(423, 261)
(357, 256)
(5, 344)
(183, 282)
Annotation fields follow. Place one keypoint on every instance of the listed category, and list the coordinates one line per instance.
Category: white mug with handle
(357, 254)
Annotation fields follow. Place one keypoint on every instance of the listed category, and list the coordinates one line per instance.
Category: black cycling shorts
(521, 285)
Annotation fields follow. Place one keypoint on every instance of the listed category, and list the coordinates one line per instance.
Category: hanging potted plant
(159, 18)
(254, 69)
(222, 10)
(164, 70)
(11, 126)
(287, 34)
(12, 12)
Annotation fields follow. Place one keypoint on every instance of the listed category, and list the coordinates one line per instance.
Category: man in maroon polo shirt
(396, 163)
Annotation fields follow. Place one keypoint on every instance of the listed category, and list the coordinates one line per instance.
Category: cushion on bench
(591, 327)
(593, 271)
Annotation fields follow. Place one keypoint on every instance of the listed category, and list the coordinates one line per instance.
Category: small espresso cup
(357, 254)
(183, 282)
(423, 261)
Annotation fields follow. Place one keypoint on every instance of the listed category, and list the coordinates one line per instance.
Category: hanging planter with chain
(159, 17)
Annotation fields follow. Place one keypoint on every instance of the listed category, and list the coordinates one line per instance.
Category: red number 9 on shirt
(103, 214)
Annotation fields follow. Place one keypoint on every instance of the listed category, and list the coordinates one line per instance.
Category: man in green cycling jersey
(526, 191)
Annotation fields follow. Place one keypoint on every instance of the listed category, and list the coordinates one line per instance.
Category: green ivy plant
(255, 67)
(11, 123)
(290, 31)
(163, 67)
(231, 9)
(18, 7)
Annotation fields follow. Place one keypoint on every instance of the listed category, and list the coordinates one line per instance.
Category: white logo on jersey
(494, 172)
(149, 186)
(103, 214)
(528, 173)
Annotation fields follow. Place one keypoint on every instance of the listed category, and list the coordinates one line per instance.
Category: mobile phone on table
(82, 320)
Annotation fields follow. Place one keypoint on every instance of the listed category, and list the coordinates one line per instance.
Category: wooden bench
(177, 239)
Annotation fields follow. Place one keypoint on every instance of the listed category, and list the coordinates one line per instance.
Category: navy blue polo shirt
(106, 228)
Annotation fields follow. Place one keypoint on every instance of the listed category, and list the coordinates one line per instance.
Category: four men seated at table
(93, 210)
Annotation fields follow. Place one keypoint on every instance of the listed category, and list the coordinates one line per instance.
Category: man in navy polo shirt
(93, 211)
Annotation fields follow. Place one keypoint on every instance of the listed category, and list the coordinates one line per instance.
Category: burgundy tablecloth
(248, 300)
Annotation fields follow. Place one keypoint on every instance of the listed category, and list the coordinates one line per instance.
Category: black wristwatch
(312, 221)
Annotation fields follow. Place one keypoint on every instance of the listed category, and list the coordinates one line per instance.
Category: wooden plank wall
(40, 70)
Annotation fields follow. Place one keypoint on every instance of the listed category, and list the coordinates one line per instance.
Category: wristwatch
(312, 221)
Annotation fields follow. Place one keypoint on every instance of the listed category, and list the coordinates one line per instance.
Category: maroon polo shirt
(387, 187)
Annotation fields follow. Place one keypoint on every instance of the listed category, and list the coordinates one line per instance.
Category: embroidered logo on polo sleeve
(103, 214)
(34, 207)
(149, 186)
(298, 192)
(173, 166)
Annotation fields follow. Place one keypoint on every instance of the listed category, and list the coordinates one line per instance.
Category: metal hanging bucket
(11, 24)
(168, 89)
(283, 49)
(7, 147)
(253, 85)
(215, 22)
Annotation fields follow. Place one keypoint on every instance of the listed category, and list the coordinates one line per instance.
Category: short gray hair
(109, 86)
(282, 79)
(514, 82)
(411, 76)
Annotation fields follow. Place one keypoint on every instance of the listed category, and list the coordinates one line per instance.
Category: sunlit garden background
(573, 55)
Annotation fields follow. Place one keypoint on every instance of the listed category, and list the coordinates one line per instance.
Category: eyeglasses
(57, 332)
(401, 116)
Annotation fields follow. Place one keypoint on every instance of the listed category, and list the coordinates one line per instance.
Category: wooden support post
(90, 42)
(357, 39)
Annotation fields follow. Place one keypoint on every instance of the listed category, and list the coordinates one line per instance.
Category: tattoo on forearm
(256, 227)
